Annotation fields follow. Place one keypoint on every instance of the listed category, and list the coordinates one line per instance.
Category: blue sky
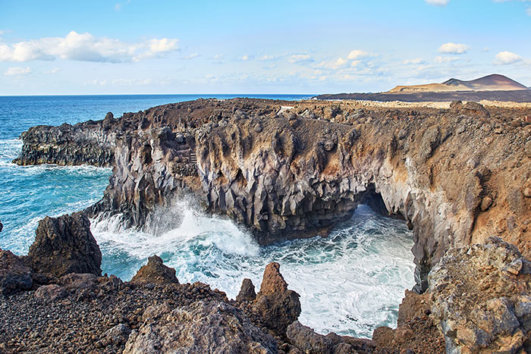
(136, 46)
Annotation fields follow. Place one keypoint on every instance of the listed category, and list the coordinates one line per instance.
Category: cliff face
(456, 176)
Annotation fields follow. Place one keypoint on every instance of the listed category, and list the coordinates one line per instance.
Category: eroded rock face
(454, 175)
(65, 245)
(155, 272)
(200, 327)
(14, 275)
(247, 292)
(481, 298)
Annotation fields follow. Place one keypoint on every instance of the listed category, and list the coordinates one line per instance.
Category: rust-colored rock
(277, 306)
(155, 272)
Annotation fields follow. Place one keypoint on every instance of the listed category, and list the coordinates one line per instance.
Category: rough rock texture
(275, 303)
(84, 143)
(155, 272)
(481, 298)
(203, 326)
(14, 275)
(307, 341)
(455, 175)
(416, 331)
(65, 245)
(247, 292)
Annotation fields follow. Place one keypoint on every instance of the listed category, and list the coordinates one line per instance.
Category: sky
(207, 47)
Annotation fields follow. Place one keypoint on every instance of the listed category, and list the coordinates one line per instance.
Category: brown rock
(247, 292)
(155, 272)
(14, 275)
(50, 292)
(65, 245)
(486, 203)
(278, 306)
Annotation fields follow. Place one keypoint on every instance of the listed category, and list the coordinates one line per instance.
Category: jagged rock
(476, 291)
(280, 182)
(247, 292)
(155, 272)
(277, 306)
(416, 330)
(14, 275)
(78, 280)
(305, 339)
(198, 328)
(65, 245)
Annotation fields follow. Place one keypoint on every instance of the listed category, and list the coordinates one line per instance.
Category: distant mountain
(494, 82)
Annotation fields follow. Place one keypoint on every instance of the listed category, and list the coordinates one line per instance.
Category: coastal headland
(458, 175)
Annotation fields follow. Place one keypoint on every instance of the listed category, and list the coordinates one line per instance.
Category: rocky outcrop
(247, 292)
(14, 275)
(286, 169)
(481, 298)
(65, 245)
(84, 143)
(155, 272)
(201, 327)
(276, 305)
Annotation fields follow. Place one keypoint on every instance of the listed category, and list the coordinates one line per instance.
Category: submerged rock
(155, 272)
(65, 245)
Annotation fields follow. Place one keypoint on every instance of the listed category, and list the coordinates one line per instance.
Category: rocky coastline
(456, 176)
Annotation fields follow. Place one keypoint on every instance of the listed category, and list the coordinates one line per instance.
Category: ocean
(350, 282)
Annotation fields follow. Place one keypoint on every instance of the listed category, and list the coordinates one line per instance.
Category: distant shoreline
(519, 96)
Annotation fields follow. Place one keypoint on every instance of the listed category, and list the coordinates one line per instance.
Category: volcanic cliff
(294, 169)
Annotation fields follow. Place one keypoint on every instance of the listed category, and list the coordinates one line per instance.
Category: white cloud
(17, 70)
(440, 59)
(453, 48)
(504, 58)
(357, 54)
(245, 57)
(299, 58)
(52, 71)
(415, 61)
(528, 11)
(85, 47)
(438, 2)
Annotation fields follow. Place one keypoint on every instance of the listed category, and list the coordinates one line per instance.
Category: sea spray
(350, 282)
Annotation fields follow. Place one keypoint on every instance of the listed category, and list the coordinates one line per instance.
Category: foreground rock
(155, 272)
(204, 326)
(14, 275)
(482, 298)
(65, 245)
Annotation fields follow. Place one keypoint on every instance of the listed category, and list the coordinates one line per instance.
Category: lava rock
(247, 292)
(155, 272)
(65, 245)
(277, 305)
(14, 275)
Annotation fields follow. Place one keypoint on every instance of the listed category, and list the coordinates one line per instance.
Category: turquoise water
(349, 283)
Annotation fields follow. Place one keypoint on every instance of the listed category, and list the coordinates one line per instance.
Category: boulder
(202, 327)
(50, 292)
(277, 306)
(65, 245)
(247, 292)
(14, 275)
(155, 272)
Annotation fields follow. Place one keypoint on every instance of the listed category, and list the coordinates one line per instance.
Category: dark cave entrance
(374, 200)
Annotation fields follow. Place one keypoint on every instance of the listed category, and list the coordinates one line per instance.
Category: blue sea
(350, 282)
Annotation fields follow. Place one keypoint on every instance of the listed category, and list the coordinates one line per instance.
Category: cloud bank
(505, 58)
(453, 48)
(86, 47)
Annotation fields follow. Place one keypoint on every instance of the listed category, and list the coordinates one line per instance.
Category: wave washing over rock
(290, 170)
